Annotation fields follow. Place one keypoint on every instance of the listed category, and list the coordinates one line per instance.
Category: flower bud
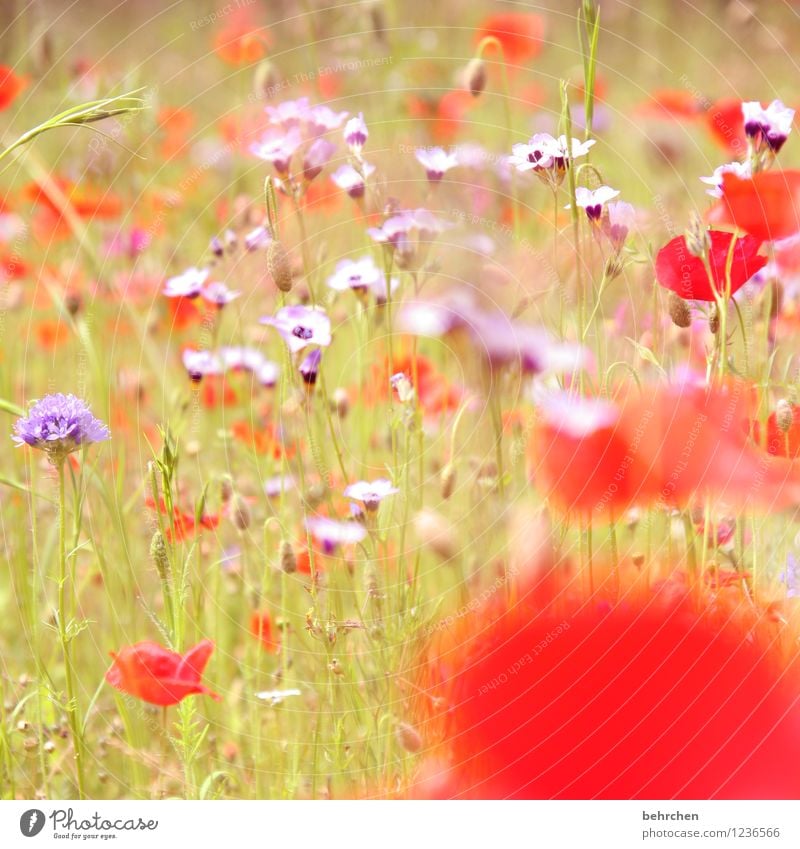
(279, 267)
(475, 75)
(679, 311)
(241, 513)
(286, 557)
(713, 320)
(408, 737)
(448, 480)
(341, 402)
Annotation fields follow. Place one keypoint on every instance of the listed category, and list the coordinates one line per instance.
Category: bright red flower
(676, 104)
(261, 629)
(520, 33)
(780, 443)
(11, 86)
(185, 524)
(686, 274)
(725, 122)
(241, 42)
(766, 205)
(159, 676)
(647, 700)
(667, 445)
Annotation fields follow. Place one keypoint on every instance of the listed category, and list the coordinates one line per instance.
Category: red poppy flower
(241, 42)
(725, 122)
(160, 676)
(520, 34)
(676, 104)
(647, 700)
(185, 524)
(780, 443)
(666, 445)
(261, 629)
(686, 274)
(766, 205)
(11, 86)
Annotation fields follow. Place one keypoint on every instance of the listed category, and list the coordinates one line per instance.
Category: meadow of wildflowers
(400, 401)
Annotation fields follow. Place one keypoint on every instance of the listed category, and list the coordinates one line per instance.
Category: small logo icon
(31, 822)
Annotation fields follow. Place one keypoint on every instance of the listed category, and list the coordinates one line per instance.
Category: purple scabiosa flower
(309, 368)
(59, 424)
(370, 494)
(278, 149)
(257, 238)
(357, 274)
(620, 217)
(351, 180)
(332, 533)
(592, 200)
(744, 170)
(199, 364)
(768, 127)
(219, 295)
(436, 162)
(301, 326)
(187, 285)
(316, 157)
(356, 134)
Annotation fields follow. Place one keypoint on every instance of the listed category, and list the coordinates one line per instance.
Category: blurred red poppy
(519, 33)
(667, 445)
(778, 442)
(647, 700)
(11, 86)
(159, 676)
(766, 205)
(261, 629)
(687, 276)
(676, 104)
(186, 525)
(241, 42)
(725, 122)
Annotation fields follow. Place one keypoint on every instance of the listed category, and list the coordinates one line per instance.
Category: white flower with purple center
(351, 180)
(301, 326)
(289, 113)
(770, 126)
(332, 533)
(357, 274)
(267, 375)
(187, 285)
(219, 295)
(370, 493)
(743, 170)
(356, 134)
(200, 364)
(239, 358)
(322, 119)
(317, 157)
(436, 162)
(278, 149)
(539, 153)
(278, 484)
(59, 424)
(592, 200)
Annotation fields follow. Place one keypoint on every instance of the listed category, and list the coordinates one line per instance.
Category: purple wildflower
(257, 238)
(592, 200)
(617, 224)
(219, 295)
(436, 162)
(332, 534)
(768, 127)
(356, 134)
(370, 494)
(352, 181)
(199, 364)
(316, 157)
(301, 326)
(186, 285)
(740, 169)
(309, 368)
(357, 274)
(278, 149)
(59, 424)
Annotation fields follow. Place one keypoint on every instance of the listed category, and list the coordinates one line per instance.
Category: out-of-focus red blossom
(666, 445)
(519, 33)
(687, 276)
(159, 676)
(766, 205)
(261, 629)
(183, 312)
(217, 392)
(241, 41)
(668, 103)
(185, 524)
(779, 443)
(87, 201)
(51, 333)
(444, 116)
(650, 699)
(175, 122)
(11, 86)
(262, 440)
(12, 267)
(725, 123)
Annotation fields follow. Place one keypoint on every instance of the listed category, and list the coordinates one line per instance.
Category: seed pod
(241, 513)
(159, 556)
(784, 415)
(408, 737)
(448, 480)
(475, 75)
(286, 557)
(679, 311)
(279, 267)
(713, 320)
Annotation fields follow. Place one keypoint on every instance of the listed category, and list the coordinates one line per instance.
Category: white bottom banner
(403, 825)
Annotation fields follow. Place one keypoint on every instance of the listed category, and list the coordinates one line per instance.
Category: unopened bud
(279, 267)
(265, 80)
(784, 415)
(341, 402)
(225, 488)
(159, 556)
(448, 480)
(408, 737)
(679, 311)
(73, 302)
(713, 320)
(286, 556)
(241, 513)
(475, 75)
